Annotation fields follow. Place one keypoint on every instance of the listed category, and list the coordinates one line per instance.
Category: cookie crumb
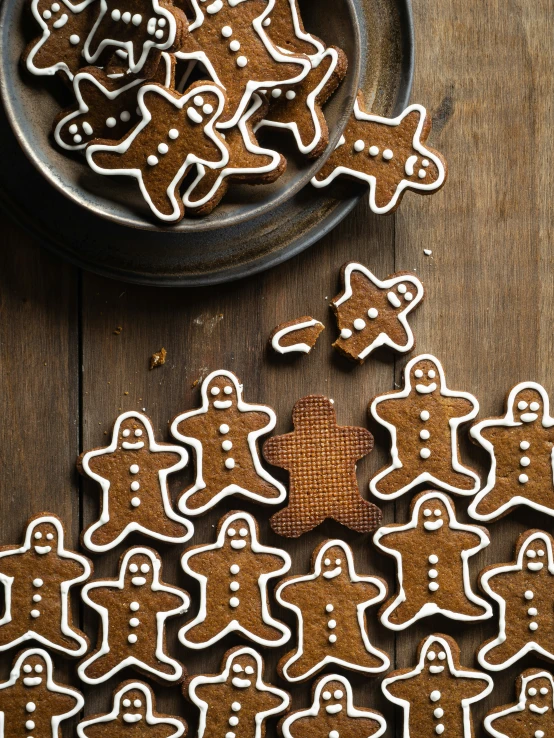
(118, 330)
(427, 252)
(158, 359)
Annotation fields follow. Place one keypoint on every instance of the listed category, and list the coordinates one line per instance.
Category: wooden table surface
(484, 70)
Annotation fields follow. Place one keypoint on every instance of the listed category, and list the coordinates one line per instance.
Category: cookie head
(133, 707)
(313, 411)
(528, 406)
(139, 571)
(34, 670)
(334, 563)
(244, 671)
(433, 514)
(538, 693)
(238, 534)
(333, 698)
(401, 295)
(536, 555)
(420, 168)
(132, 434)
(425, 377)
(435, 658)
(44, 537)
(222, 392)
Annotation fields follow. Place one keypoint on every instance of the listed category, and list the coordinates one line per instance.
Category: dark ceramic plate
(100, 224)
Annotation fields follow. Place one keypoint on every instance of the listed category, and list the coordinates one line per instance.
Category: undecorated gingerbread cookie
(321, 458)
(532, 716)
(37, 577)
(432, 553)
(133, 716)
(371, 313)
(520, 446)
(524, 591)
(437, 694)
(423, 420)
(234, 573)
(132, 472)
(133, 610)
(296, 336)
(224, 434)
(236, 702)
(330, 604)
(31, 702)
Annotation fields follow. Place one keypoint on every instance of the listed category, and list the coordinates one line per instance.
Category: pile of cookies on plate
(240, 578)
(174, 97)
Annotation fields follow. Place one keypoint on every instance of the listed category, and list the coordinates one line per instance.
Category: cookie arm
(387, 409)
(8, 564)
(294, 592)
(100, 465)
(72, 569)
(276, 450)
(94, 730)
(167, 459)
(507, 724)
(474, 687)
(166, 601)
(464, 406)
(361, 438)
(193, 426)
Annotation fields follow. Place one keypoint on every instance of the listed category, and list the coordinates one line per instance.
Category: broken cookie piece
(296, 336)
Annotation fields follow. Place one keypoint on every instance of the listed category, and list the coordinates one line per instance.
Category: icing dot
(425, 162)
(230, 734)
(539, 733)
(276, 92)
(432, 573)
(422, 173)
(135, 502)
(524, 445)
(224, 428)
(73, 129)
(409, 297)
(47, 15)
(387, 154)
(173, 134)
(30, 707)
(233, 720)
(521, 405)
(35, 613)
(533, 626)
(234, 601)
(125, 117)
(326, 695)
(208, 109)
(433, 559)
(424, 434)
(402, 288)
(87, 128)
(438, 712)
(337, 694)
(77, 138)
(234, 586)
(334, 734)
(163, 148)
(133, 622)
(229, 463)
(234, 45)
(439, 729)
(126, 17)
(345, 333)
(266, 22)
(435, 695)
(532, 611)
(425, 453)
(359, 324)
(111, 122)
(227, 445)
(372, 313)
(152, 160)
(234, 569)
(74, 39)
(132, 638)
(159, 33)
(373, 150)
(433, 586)
(525, 461)
(329, 608)
(137, 19)
(161, 22)
(235, 706)
(242, 61)
(332, 624)
(226, 31)
(30, 724)
(359, 145)
(528, 595)
(134, 468)
(135, 486)
(116, 15)
(199, 100)
(290, 94)
(37, 598)
(134, 606)
(424, 415)
(523, 478)
(332, 638)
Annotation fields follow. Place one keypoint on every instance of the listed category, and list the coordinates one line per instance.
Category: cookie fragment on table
(296, 336)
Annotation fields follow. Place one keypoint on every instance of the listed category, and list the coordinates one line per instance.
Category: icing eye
(543, 690)
(327, 562)
(427, 513)
(521, 405)
(133, 568)
(137, 703)
(27, 668)
(126, 433)
(249, 670)
(534, 406)
(438, 513)
(49, 536)
(532, 691)
(338, 562)
(442, 655)
(38, 535)
(243, 532)
(431, 655)
(227, 390)
(530, 554)
(138, 433)
(418, 373)
(540, 552)
(144, 568)
(231, 532)
(198, 100)
(431, 373)
(215, 390)
(338, 695)
(237, 668)
(126, 703)
(326, 695)
(402, 288)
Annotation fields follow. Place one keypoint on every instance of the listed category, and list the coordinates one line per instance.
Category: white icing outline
(485, 586)
(60, 66)
(454, 424)
(404, 183)
(360, 608)
(251, 86)
(431, 608)
(300, 347)
(383, 339)
(303, 35)
(150, 718)
(253, 436)
(161, 617)
(351, 710)
(509, 422)
(235, 625)
(222, 678)
(51, 686)
(64, 589)
(147, 45)
(109, 94)
(311, 102)
(430, 641)
(190, 159)
(520, 705)
(253, 148)
(105, 485)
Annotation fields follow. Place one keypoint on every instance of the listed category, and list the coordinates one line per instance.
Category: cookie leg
(456, 479)
(494, 499)
(266, 631)
(62, 640)
(102, 665)
(358, 514)
(404, 612)
(207, 630)
(201, 497)
(108, 532)
(257, 486)
(393, 481)
(303, 664)
(503, 652)
(292, 522)
(10, 632)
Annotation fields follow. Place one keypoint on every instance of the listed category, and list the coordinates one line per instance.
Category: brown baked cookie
(176, 131)
(285, 28)
(371, 313)
(524, 591)
(65, 27)
(236, 702)
(230, 39)
(437, 694)
(520, 446)
(321, 458)
(330, 605)
(298, 107)
(296, 336)
(106, 106)
(32, 702)
(432, 554)
(132, 472)
(133, 609)
(133, 716)
(224, 434)
(234, 573)
(423, 420)
(532, 716)
(387, 153)
(36, 579)
(333, 714)
(248, 163)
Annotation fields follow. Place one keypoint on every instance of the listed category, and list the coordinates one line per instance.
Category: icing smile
(130, 718)
(436, 669)
(32, 681)
(425, 389)
(534, 565)
(538, 710)
(528, 417)
(240, 683)
(138, 581)
(43, 549)
(333, 709)
(238, 544)
(222, 404)
(127, 445)
(332, 574)
(432, 524)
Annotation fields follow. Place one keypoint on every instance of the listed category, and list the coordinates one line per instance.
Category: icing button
(425, 453)
(30, 707)
(387, 154)
(234, 601)
(332, 638)
(359, 146)
(439, 729)
(132, 638)
(37, 582)
(359, 324)
(424, 415)
(229, 463)
(234, 569)
(135, 502)
(35, 613)
(433, 586)
(523, 478)
(134, 468)
(242, 61)
(373, 150)
(435, 695)
(345, 333)
(334, 734)
(134, 606)
(528, 595)
(533, 626)
(433, 559)
(524, 445)
(223, 429)
(372, 313)
(226, 31)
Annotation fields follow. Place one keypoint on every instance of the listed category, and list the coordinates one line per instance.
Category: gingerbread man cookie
(224, 434)
(520, 446)
(333, 714)
(65, 27)
(423, 420)
(371, 313)
(133, 609)
(523, 590)
(387, 153)
(234, 573)
(432, 555)
(32, 702)
(321, 458)
(532, 716)
(176, 131)
(236, 702)
(37, 577)
(133, 716)
(132, 472)
(330, 604)
(296, 336)
(249, 163)
(436, 696)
